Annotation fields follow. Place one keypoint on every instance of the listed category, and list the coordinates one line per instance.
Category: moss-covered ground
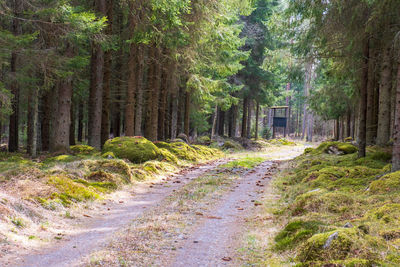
(336, 209)
(87, 174)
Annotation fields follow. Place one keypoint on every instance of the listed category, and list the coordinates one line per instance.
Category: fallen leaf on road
(199, 213)
(226, 258)
(87, 215)
(214, 217)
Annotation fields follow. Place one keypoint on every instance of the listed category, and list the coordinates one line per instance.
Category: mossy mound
(184, 151)
(157, 167)
(230, 144)
(61, 158)
(319, 201)
(338, 148)
(208, 152)
(120, 170)
(135, 149)
(282, 141)
(389, 183)
(339, 244)
(345, 178)
(71, 191)
(108, 155)
(295, 232)
(388, 214)
(168, 156)
(82, 150)
(161, 144)
(204, 140)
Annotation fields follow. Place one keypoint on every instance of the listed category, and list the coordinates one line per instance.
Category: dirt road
(209, 241)
(99, 229)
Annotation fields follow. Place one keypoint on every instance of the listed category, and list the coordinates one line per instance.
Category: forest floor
(197, 217)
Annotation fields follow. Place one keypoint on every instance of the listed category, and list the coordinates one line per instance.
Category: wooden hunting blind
(279, 118)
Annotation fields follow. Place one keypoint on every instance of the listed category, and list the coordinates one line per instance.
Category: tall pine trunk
(396, 135)
(105, 115)
(13, 135)
(96, 87)
(80, 121)
(72, 125)
(245, 117)
(370, 120)
(383, 134)
(130, 92)
(140, 90)
(61, 128)
(187, 113)
(362, 127)
(257, 115)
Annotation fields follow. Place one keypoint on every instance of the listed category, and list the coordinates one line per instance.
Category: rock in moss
(135, 149)
(108, 155)
(82, 150)
(338, 148)
(389, 183)
(229, 144)
(317, 249)
(204, 140)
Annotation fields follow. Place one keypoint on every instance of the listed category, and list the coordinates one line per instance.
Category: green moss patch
(82, 149)
(294, 232)
(389, 183)
(246, 162)
(135, 149)
(356, 201)
(71, 191)
(335, 148)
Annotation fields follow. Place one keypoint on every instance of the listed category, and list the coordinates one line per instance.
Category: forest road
(216, 241)
(99, 229)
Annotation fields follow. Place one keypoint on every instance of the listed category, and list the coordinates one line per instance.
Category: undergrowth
(86, 174)
(339, 209)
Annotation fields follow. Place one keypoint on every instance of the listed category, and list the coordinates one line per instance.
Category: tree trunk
(13, 137)
(337, 129)
(30, 121)
(245, 117)
(34, 113)
(396, 135)
(233, 120)
(174, 112)
(96, 87)
(140, 90)
(214, 123)
(383, 134)
(249, 114)
(105, 116)
(80, 122)
(62, 124)
(310, 127)
(348, 127)
(130, 93)
(362, 130)
(154, 82)
(72, 126)
(187, 113)
(370, 120)
(257, 114)
(180, 109)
